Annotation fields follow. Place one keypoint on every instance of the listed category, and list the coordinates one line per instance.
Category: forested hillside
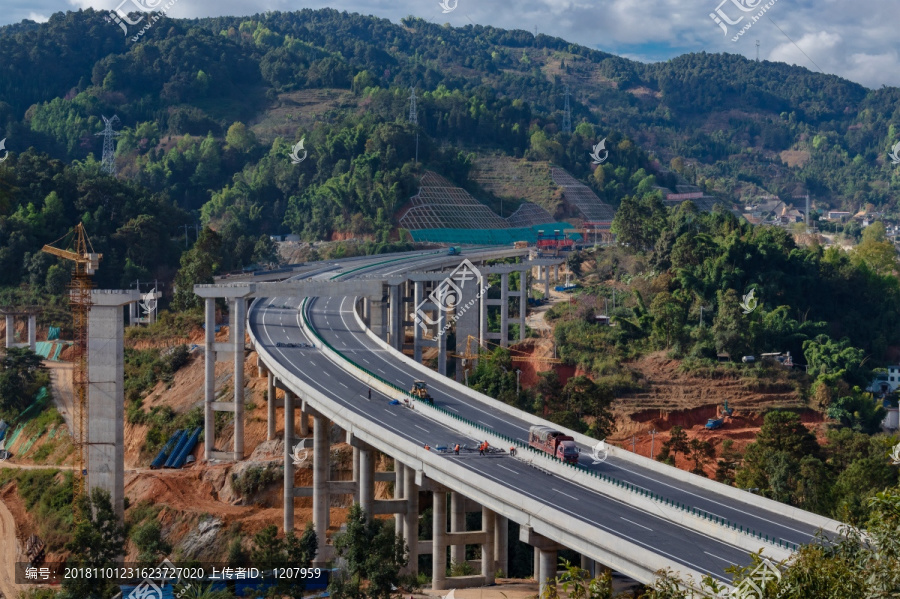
(210, 108)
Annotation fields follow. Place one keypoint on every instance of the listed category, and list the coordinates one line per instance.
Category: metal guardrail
(520, 444)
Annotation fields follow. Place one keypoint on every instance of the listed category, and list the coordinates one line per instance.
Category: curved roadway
(334, 319)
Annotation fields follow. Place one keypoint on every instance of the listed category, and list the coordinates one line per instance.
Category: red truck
(554, 442)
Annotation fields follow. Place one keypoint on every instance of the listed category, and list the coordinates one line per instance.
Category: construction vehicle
(520, 245)
(726, 410)
(554, 442)
(85, 265)
(420, 390)
(714, 423)
(453, 251)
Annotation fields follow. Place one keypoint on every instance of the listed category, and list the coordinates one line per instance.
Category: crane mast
(86, 262)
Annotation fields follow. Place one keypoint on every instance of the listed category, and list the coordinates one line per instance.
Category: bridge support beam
(366, 478)
(589, 565)
(395, 324)
(288, 459)
(399, 479)
(10, 330)
(544, 557)
(321, 497)
(32, 331)
(418, 296)
(304, 421)
(457, 524)
(487, 547)
(501, 545)
(442, 343)
(411, 527)
(270, 406)
(239, 314)
(439, 541)
(209, 433)
(523, 302)
(548, 570)
(504, 309)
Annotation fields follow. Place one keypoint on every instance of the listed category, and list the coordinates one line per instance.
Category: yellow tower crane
(86, 261)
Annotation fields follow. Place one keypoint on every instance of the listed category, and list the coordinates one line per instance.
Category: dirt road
(8, 550)
(61, 383)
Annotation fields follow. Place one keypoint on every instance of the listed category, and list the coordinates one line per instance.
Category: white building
(886, 382)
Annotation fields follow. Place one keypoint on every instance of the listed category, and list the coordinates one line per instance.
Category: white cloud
(844, 38)
(33, 16)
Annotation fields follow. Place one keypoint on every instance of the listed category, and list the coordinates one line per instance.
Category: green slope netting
(488, 236)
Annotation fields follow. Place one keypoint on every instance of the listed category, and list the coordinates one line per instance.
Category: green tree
(701, 453)
(269, 552)
(97, 542)
(22, 374)
(374, 557)
(198, 265)
(240, 138)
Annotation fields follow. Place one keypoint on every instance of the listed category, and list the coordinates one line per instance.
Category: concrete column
(367, 480)
(523, 303)
(105, 420)
(237, 333)
(483, 321)
(439, 541)
(320, 478)
(411, 527)
(209, 390)
(588, 564)
(501, 544)
(504, 309)
(546, 282)
(548, 570)
(418, 327)
(270, 406)
(487, 548)
(536, 565)
(366, 307)
(457, 524)
(32, 331)
(355, 473)
(442, 343)
(10, 330)
(399, 479)
(304, 422)
(396, 320)
(288, 459)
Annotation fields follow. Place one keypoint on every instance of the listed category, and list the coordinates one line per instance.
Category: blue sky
(854, 39)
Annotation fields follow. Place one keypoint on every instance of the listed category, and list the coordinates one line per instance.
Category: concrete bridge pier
(418, 327)
(270, 406)
(589, 565)
(232, 350)
(504, 309)
(366, 478)
(545, 551)
(395, 320)
(399, 479)
(288, 458)
(411, 526)
(439, 540)
(32, 330)
(457, 524)
(501, 545)
(106, 395)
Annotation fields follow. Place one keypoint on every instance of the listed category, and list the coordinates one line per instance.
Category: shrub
(254, 479)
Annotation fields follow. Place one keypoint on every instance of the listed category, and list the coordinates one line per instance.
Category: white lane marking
(366, 361)
(484, 423)
(510, 469)
(566, 494)
(702, 498)
(727, 561)
(636, 524)
(452, 408)
(421, 429)
(381, 371)
(343, 343)
(615, 532)
(343, 385)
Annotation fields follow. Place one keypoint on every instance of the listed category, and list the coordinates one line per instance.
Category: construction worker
(456, 449)
(427, 448)
(481, 448)
(512, 450)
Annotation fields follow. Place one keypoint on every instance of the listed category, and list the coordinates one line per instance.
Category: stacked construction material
(183, 449)
(160, 459)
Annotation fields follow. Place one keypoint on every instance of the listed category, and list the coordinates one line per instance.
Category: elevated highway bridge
(330, 337)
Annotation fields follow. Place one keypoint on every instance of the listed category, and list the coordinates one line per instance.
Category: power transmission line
(108, 165)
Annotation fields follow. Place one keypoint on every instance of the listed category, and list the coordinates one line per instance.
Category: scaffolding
(582, 197)
(441, 205)
(528, 215)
